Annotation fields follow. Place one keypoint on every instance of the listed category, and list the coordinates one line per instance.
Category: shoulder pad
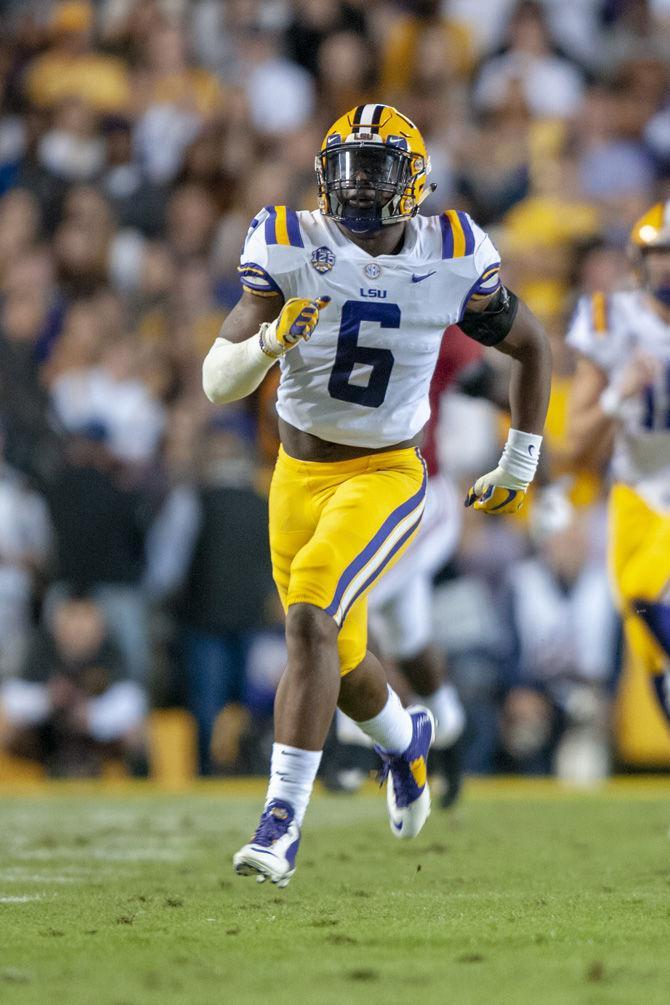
(272, 250)
(591, 331)
(463, 239)
(458, 234)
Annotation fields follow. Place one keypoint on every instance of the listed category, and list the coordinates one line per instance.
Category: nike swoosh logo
(398, 826)
(420, 279)
(531, 448)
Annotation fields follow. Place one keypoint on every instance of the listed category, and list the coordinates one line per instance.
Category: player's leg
(401, 609)
(425, 673)
(640, 564)
(364, 513)
(402, 737)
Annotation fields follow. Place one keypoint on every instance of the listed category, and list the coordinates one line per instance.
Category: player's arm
(596, 405)
(258, 330)
(503, 321)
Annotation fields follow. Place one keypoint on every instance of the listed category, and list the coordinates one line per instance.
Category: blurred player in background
(621, 394)
(348, 490)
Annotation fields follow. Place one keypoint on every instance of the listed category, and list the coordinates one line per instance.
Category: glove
(497, 492)
(503, 490)
(297, 320)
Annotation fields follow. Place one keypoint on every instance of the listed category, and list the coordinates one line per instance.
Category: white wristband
(521, 455)
(610, 401)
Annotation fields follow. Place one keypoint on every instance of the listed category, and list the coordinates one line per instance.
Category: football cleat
(406, 776)
(272, 850)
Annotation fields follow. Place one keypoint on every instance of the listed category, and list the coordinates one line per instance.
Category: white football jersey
(363, 378)
(609, 330)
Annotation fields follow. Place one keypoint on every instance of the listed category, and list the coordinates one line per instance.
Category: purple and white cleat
(406, 775)
(272, 850)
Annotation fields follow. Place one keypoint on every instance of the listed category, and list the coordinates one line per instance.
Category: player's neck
(386, 241)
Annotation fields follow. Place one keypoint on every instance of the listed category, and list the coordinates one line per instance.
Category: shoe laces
(272, 826)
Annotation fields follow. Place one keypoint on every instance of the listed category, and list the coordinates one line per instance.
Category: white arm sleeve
(232, 370)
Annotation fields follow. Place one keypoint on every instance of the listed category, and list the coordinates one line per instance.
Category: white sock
(449, 715)
(292, 774)
(391, 728)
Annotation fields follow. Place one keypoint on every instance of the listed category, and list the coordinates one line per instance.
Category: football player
(621, 394)
(348, 490)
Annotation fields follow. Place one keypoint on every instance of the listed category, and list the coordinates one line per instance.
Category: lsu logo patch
(323, 259)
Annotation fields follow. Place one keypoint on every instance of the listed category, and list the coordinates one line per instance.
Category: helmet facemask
(365, 185)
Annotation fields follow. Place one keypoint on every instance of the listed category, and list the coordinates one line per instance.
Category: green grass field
(525, 895)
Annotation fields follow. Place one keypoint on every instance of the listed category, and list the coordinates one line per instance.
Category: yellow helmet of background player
(652, 233)
(372, 169)
(653, 229)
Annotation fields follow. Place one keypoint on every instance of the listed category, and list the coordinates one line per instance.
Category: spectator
(100, 520)
(549, 85)
(173, 101)
(72, 704)
(280, 93)
(566, 631)
(73, 149)
(71, 67)
(25, 543)
(226, 595)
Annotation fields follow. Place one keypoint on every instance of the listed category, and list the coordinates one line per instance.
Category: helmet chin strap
(361, 224)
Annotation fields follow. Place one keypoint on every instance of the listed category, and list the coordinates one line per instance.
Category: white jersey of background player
(612, 332)
(622, 390)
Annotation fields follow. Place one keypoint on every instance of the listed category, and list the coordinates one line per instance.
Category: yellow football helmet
(653, 229)
(652, 233)
(372, 169)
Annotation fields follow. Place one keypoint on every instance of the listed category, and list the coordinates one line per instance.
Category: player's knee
(309, 628)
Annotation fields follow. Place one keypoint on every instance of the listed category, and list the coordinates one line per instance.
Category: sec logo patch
(372, 271)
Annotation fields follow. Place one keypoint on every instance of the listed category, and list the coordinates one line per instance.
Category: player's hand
(497, 492)
(296, 322)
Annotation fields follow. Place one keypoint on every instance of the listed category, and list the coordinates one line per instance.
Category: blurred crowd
(138, 138)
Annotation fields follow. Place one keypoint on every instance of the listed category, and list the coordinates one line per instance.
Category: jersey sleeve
(463, 239)
(590, 332)
(486, 264)
(273, 253)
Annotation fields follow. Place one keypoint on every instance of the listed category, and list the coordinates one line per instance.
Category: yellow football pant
(335, 528)
(639, 557)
